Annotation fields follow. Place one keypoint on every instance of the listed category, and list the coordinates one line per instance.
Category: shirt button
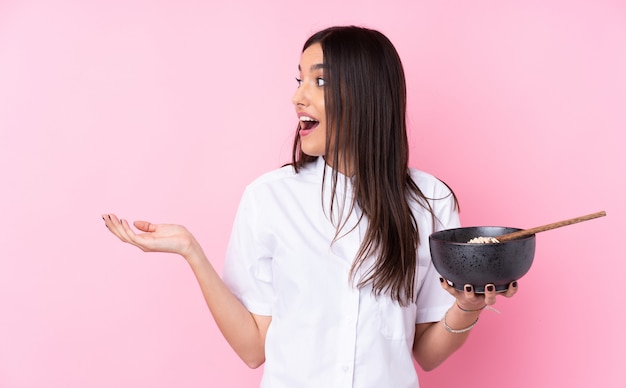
(345, 368)
(349, 319)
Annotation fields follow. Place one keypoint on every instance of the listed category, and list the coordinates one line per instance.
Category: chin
(312, 151)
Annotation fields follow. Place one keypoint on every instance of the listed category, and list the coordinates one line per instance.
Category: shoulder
(429, 184)
(436, 199)
(284, 177)
(279, 174)
(278, 194)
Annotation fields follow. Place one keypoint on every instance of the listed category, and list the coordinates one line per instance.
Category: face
(309, 101)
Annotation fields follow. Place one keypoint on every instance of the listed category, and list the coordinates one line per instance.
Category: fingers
(119, 228)
(112, 223)
(512, 290)
(470, 300)
(128, 233)
(467, 299)
(446, 285)
(469, 291)
(145, 226)
(490, 294)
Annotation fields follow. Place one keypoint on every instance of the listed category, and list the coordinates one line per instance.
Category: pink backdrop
(164, 110)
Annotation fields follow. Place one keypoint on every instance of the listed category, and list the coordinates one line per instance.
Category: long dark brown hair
(365, 101)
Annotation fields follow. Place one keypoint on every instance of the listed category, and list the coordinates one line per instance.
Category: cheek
(321, 132)
(318, 101)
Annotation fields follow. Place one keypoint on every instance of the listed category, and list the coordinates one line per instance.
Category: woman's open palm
(154, 237)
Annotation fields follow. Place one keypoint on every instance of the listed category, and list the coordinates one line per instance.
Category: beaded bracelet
(470, 311)
(459, 331)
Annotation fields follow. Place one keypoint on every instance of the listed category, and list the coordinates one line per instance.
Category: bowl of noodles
(482, 261)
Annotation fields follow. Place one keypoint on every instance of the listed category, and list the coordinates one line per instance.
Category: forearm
(434, 343)
(243, 332)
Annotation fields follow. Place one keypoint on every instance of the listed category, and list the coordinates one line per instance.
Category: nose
(300, 96)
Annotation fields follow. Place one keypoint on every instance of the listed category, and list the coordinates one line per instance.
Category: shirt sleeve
(248, 264)
(432, 300)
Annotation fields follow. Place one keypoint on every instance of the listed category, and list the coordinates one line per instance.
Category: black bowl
(480, 264)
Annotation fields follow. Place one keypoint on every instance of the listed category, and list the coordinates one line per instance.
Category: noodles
(483, 240)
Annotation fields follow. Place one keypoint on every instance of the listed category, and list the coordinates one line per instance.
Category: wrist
(193, 253)
(470, 310)
(466, 328)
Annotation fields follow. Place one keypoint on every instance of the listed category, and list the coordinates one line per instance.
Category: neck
(341, 165)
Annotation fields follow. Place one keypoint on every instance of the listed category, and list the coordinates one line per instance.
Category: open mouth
(308, 123)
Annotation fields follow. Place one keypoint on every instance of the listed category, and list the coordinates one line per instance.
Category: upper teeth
(306, 118)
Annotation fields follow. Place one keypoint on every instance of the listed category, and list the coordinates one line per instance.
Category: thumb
(145, 226)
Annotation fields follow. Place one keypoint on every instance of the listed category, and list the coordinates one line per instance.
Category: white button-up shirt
(326, 332)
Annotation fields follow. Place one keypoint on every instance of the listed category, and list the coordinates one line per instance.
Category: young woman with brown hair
(328, 278)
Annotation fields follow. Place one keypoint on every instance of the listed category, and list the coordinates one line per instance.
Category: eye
(299, 81)
(320, 81)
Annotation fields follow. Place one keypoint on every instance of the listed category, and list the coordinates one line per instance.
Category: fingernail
(514, 284)
(490, 288)
(468, 288)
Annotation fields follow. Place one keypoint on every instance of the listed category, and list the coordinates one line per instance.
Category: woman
(328, 278)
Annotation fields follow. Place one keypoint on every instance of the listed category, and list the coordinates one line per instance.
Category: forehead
(312, 58)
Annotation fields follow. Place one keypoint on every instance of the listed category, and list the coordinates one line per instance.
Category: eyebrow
(317, 66)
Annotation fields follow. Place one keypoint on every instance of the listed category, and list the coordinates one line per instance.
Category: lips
(307, 124)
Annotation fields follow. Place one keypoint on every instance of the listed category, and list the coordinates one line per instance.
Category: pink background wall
(164, 110)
